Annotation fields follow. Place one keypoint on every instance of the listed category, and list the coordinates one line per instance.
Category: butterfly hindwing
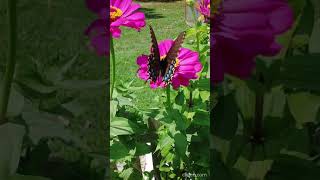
(170, 60)
(154, 58)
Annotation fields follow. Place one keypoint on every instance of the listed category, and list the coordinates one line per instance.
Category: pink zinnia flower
(186, 68)
(243, 30)
(124, 13)
(203, 6)
(97, 31)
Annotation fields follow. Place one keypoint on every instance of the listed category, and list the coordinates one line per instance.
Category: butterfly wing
(154, 58)
(167, 71)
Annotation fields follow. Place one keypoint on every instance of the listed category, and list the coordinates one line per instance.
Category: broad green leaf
(301, 72)
(205, 95)
(298, 141)
(55, 73)
(75, 107)
(274, 103)
(245, 99)
(258, 169)
(287, 167)
(201, 118)
(181, 144)
(11, 138)
(165, 144)
(142, 149)
(304, 107)
(314, 43)
(306, 20)
(130, 174)
(236, 147)
(180, 98)
(113, 108)
(37, 86)
(16, 103)
(81, 84)
(118, 151)
(121, 126)
(225, 117)
(124, 101)
(44, 125)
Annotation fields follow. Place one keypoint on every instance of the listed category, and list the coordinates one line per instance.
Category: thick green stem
(258, 120)
(11, 61)
(168, 96)
(113, 57)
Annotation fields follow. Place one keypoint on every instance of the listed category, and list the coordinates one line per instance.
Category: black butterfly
(163, 67)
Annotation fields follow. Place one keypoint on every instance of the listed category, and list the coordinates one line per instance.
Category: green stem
(168, 96)
(11, 62)
(113, 57)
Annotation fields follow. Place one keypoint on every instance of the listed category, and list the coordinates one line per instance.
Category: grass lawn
(167, 19)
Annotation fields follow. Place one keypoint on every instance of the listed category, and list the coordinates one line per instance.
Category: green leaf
(274, 103)
(118, 151)
(37, 86)
(130, 174)
(298, 141)
(180, 98)
(244, 99)
(205, 95)
(180, 143)
(165, 144)
(236, 147)
(81, 84)
(314, 43)
(225, 117)
(113, 108)
(301, 72)
(304, 107)
(44, 125)
(75, 107)
(122, 126)
(306, 20)
(11, 138)
(142, 149)
(201, 118)
(287, 167)
(124, 101)
(55, 74)
(16, 103)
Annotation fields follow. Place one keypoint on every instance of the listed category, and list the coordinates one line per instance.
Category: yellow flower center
(208, 6)
(115, 13)
(177, 60)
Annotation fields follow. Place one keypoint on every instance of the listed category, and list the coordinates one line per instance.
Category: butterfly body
(163, 68)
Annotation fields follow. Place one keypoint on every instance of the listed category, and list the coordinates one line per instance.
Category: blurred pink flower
(203, 6)
(186, 68)
(124, 13)
(243, 29)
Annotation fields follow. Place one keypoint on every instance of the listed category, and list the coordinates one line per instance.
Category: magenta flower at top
(186, 68)
(243, 29)
(124, 13)
(203, 6)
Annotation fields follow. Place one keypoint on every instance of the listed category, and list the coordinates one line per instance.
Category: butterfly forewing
(170, 59)
(154, 58)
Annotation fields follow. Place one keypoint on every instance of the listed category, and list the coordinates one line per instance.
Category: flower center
(115, 13)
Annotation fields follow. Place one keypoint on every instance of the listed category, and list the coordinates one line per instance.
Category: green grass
(167, 19)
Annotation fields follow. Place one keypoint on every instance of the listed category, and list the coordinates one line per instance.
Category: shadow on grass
(151, 14)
